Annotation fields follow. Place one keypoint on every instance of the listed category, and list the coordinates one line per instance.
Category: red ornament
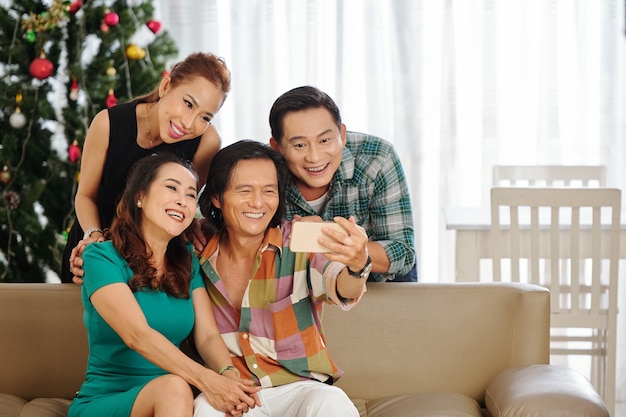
(74, 152)
(165, 73)
(41, 68)
(111, 18)
(5, 175)
(74, 90)
(111, 99)
(153, 25)
(75, 6)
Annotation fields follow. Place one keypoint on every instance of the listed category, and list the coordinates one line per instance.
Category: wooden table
(473, 242)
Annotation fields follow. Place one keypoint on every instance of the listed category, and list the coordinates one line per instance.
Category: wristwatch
(88, 232)
(364, 272)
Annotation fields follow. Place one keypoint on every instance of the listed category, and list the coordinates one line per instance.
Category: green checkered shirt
(371, 186)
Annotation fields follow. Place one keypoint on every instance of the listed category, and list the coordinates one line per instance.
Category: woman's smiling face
(169, 205)
(186, 110)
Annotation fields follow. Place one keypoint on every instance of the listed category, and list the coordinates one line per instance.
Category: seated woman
(143, 294)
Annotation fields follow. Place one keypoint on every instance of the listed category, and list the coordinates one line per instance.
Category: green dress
(115, 373)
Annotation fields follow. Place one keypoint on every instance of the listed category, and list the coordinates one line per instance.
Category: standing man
(340, 173)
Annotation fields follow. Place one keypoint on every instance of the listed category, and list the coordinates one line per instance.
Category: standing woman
(176, 117)
(142, 295)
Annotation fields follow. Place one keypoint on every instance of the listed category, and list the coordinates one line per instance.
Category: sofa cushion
(14, 406)
(427, 337)
(423, 405)
(11, 405)
(543, 391)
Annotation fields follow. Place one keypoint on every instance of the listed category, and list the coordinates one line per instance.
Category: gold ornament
(135, 52)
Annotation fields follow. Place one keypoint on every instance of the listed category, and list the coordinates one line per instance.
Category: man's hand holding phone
(341, 241)
(305, 235)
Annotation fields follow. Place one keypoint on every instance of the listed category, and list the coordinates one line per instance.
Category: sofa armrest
(543, 390)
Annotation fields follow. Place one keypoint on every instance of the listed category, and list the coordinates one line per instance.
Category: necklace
(148, 108)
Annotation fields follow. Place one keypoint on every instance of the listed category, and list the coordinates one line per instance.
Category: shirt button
(255, 366)
(245, 335)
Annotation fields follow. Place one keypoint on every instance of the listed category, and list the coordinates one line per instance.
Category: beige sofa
(408, 350)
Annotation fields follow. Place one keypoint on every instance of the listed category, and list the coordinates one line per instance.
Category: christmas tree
(60, 63)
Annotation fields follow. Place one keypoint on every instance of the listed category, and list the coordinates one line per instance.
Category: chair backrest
(549, 175)
(566, 239)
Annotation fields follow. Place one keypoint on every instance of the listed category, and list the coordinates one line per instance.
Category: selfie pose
(340, 173)
(268, 300)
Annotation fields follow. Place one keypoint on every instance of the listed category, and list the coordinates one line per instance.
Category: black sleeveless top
(122, 153)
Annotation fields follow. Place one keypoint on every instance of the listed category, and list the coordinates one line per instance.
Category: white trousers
(297, 399)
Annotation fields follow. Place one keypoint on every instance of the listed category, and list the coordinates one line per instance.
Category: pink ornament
(111, 18)
(74, 152)
(111, 99)
(41, 68)
(153, 25)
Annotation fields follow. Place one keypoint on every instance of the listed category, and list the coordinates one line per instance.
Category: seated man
(267, 300)
(339, 173)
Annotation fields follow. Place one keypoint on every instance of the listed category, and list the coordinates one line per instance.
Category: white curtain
(456, 85)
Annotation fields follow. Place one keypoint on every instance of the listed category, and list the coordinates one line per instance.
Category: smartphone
(304, 236)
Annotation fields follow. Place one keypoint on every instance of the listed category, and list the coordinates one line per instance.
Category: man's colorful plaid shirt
(278, 337)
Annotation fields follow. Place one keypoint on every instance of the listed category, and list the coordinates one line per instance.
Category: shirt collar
(346, 168)
(273, 240)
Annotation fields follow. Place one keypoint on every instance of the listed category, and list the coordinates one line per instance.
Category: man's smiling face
(313, 147)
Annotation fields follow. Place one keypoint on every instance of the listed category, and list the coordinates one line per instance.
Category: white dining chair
(549, 175)
(566, 239)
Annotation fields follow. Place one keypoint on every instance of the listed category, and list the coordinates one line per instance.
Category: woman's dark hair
(298, 99)
(220, 174)
(198, 64)
(126, 236)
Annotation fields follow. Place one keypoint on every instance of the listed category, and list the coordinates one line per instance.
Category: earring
(139, 203)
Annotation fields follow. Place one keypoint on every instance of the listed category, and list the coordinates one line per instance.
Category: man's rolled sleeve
(392, 216)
